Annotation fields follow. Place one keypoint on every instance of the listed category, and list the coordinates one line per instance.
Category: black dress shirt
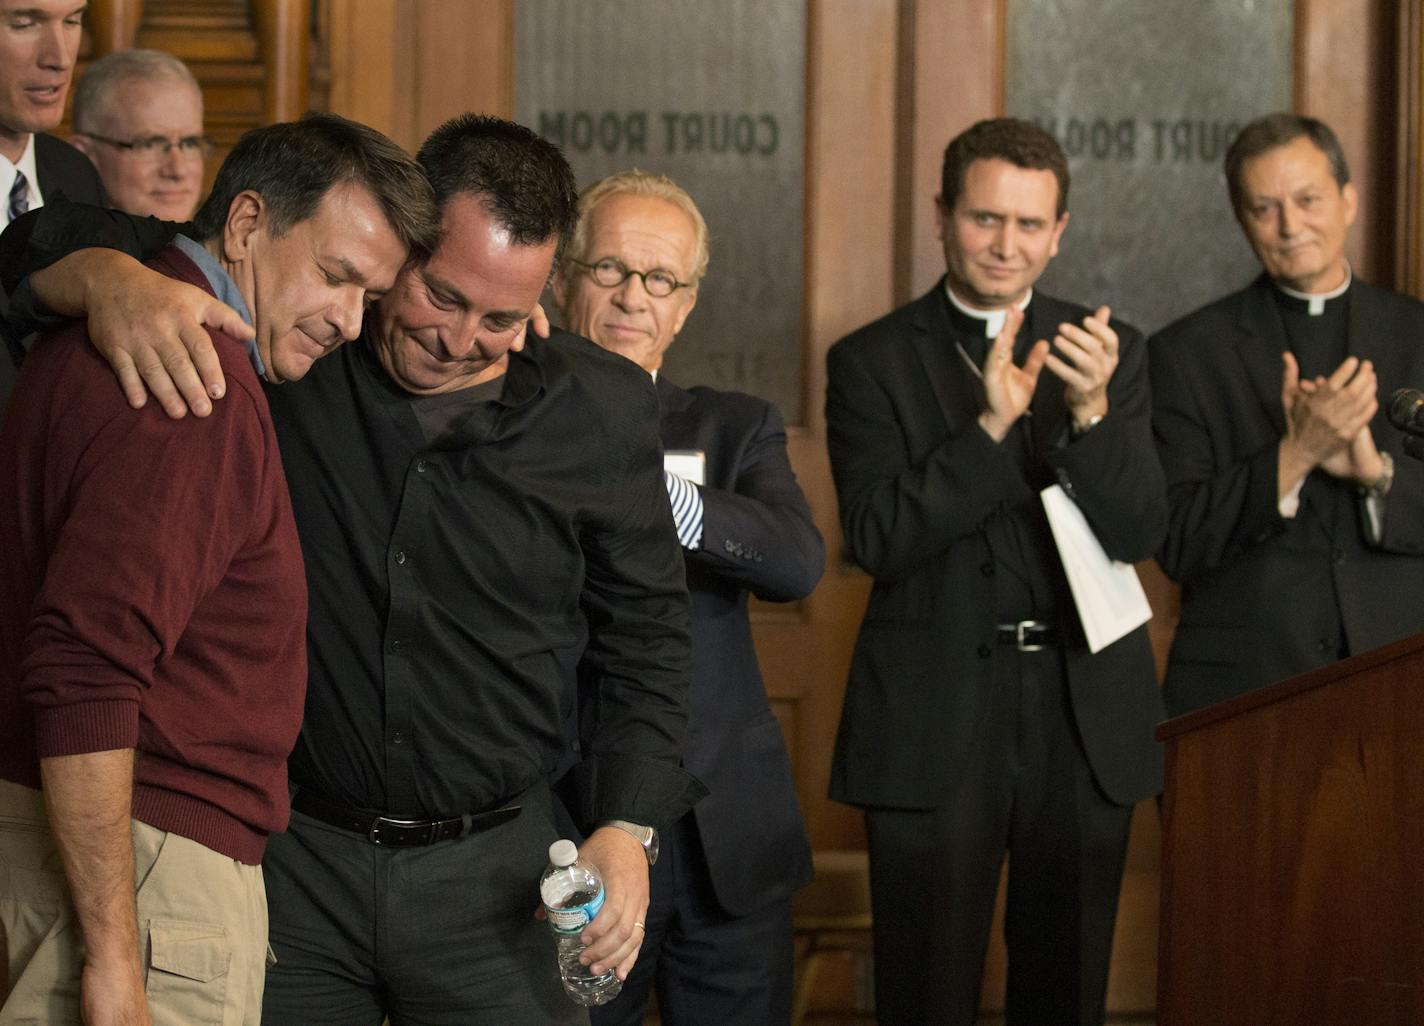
(455, 586)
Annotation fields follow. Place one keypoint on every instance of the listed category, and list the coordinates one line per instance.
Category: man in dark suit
(39, 40)
(718, 942)
(976, 720)
(1296, 523)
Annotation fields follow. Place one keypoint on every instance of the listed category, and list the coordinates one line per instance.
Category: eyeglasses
(157, 147)
(611, 273)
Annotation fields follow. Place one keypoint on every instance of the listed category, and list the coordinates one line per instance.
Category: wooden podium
(1293, 851)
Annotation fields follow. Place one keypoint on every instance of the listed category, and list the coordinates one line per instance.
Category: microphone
(1406, 411)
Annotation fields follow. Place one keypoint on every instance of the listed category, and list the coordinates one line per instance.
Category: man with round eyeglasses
(718, 940)
(138, 115)
(610, 272)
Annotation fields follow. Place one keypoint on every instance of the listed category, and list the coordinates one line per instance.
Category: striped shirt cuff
(686, 509)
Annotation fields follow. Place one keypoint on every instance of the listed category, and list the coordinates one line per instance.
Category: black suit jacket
(1265, 598)
(63, 171)
(917, 478)
(757, 537)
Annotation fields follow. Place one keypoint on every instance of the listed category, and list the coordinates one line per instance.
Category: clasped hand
(1328, 421)
(1082, 357)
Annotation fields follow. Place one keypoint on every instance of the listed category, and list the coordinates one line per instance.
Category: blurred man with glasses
(138, 114)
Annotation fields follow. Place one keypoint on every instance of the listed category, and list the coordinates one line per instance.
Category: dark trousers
(934, 873)
(443, 935)
(709, 968)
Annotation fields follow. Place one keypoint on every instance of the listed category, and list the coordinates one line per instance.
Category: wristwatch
(1075, 431)
(1381, 485)
(647, 836)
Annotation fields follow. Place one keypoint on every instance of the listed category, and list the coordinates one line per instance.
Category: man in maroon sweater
(153, 604)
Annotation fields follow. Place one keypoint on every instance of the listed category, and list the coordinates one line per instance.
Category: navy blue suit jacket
(757, 538)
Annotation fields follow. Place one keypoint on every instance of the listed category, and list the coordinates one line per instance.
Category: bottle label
(576, 913)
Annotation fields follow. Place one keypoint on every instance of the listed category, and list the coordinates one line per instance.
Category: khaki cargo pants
(202, 926)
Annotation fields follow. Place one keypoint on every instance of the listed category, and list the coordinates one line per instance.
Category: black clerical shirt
(1029, 582)
(1320, 341)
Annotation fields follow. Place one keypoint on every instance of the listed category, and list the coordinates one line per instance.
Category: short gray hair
(641, 183)
(94, 92)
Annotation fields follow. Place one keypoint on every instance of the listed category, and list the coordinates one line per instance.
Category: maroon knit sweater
(151, 591)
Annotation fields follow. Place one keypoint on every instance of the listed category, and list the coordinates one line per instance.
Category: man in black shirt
(476, 516)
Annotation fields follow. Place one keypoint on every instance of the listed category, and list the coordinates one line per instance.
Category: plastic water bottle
(572, 891)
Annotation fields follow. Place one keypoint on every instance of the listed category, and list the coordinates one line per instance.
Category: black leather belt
(1029, 635)
(395, 832)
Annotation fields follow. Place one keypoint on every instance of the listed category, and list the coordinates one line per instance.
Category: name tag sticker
(688, 463)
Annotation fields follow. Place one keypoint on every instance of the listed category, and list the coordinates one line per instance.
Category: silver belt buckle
(1021, 630)
(375, 833)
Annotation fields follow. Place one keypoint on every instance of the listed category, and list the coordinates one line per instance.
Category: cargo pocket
(187, 972)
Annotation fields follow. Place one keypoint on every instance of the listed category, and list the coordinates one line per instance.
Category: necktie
(686, 503)
(19, 195)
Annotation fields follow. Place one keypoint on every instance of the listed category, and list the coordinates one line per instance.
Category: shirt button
(395, 646)
(1325, 645)
(985, 651)
(987, 569)
(421, 466)
(1339, 556)
(398, 738)
(400, 557)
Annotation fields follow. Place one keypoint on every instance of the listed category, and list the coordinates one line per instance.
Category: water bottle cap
(563, 853)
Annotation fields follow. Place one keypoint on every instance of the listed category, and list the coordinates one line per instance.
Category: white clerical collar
(993, 319)
(1315, 301)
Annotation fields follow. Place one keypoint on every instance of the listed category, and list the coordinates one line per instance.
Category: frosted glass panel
(711, 93)
(1145, 95)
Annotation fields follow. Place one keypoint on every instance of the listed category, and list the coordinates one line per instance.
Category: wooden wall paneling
(319, 56)
(465, 59)
(283, 29)
(1346, 76)
(850, 162)
(955, 63)
(112, 24)
(363, 59)
(211, 30)
(1409, 133)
